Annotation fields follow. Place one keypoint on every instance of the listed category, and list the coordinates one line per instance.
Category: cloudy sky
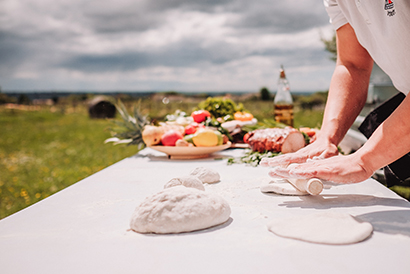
(162, 45)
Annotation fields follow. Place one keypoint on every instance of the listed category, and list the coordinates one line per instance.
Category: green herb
(265, 123)
(252, 158)
(307, 138)
(220, 106)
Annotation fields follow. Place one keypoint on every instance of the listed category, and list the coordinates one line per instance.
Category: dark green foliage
(220, 106)
(265, 94)
(330, 46)
(4, 99)
(315, 100)
(23, 99)
(252, 158)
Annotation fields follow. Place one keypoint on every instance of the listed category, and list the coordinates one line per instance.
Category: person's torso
(383, 28)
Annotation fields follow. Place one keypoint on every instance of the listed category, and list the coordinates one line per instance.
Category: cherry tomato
(190, 129)
(246, 137)
(309, 131)
(200, 115)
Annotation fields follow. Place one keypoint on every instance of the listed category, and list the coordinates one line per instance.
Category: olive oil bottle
(283, 102)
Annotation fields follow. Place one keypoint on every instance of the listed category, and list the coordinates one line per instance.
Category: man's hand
(346, 98)
(318, 149)
(338, 169)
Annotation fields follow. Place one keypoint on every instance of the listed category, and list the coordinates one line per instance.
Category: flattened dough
(186, 181)
(206, 175)
(179, 209)
(322, 228)
(282, 187)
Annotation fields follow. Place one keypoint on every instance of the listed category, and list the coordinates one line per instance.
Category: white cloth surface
(85, 227)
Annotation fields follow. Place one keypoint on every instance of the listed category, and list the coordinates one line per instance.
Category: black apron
(399, 170)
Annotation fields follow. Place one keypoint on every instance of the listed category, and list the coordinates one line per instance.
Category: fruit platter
(215, 125)
(206, 130)
(186, 137)
(190, 152)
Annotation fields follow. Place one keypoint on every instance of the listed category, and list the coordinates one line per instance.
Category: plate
(190, 152)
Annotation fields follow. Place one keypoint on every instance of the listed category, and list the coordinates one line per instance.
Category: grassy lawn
(44, 151)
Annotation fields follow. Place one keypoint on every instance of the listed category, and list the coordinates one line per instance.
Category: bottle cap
(282, 72)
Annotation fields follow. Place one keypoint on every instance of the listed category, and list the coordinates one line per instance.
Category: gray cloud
(12, 50)
(125, 21)
(126, 36)
(199, 5)
(271, 20)
(187, 52)
(143, 15)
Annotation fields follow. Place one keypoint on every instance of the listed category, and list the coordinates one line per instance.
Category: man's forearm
(348, 87)
(390, 141)
(347, 96)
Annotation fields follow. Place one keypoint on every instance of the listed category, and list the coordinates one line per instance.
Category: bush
(317, 99)
(4, 99)
(265, 94)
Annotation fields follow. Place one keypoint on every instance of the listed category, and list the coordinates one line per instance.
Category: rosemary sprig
(251, 158)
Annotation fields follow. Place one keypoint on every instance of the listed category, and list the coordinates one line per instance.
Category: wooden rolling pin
(312, 186)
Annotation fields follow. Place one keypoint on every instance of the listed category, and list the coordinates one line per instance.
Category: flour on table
(206, 175)
(323, 228)
(186, 181)
(280, 186)
(179, 209)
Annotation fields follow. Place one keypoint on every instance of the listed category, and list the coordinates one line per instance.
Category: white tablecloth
(85, 227)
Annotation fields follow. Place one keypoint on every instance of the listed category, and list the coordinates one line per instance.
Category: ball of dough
(206, 175)
(186, 181)
(179, 209)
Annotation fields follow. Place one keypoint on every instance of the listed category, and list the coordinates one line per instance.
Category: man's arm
(347, 95)
(388, 143)
(348, 87)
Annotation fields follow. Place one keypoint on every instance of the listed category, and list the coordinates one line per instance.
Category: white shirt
(383, 28)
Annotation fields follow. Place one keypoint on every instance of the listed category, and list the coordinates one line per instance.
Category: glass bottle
(283, 103)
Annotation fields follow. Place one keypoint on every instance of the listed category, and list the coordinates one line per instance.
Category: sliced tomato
(200, 116)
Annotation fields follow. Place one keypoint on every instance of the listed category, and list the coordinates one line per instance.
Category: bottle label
(284, 114)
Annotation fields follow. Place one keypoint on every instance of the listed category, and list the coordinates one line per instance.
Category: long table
(85, 227)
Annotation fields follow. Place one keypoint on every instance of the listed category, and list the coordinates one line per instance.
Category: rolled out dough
(186, 181)
(206, 175)
(322, 228)
(282, 187)
(179, 209)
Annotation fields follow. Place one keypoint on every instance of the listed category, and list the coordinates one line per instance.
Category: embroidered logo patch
(389, 7)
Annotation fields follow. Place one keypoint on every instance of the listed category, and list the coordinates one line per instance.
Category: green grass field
(44, 151)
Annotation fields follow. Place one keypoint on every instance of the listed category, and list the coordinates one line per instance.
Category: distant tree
(4, 99)
(170, 93)
(23, 99)
(330, 46)
(317, 99)
(55, 99)
(265, 94)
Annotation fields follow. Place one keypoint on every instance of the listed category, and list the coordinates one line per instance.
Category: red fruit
(190, 129)
(246, 137)
(200, 115)
(170, 138)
